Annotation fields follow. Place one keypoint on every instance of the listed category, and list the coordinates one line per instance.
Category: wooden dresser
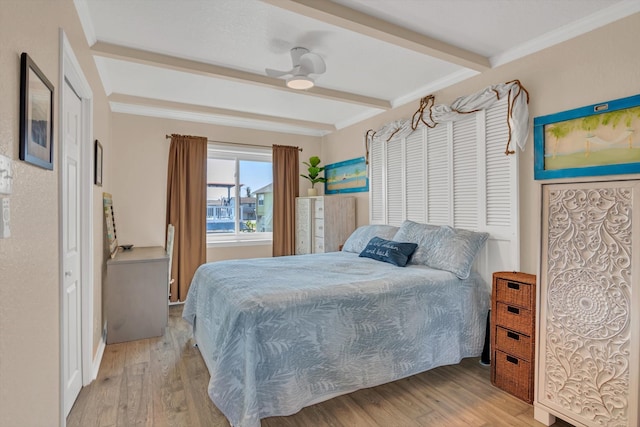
(323, 223)
(513, 309)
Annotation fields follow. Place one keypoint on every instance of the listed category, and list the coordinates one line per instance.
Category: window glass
(256, 182)
(239, 194)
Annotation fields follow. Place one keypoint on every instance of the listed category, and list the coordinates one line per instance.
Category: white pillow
(362, 235)
(427, 236)
(442, 247)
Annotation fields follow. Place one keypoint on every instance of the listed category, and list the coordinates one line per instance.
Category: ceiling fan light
(300, 82)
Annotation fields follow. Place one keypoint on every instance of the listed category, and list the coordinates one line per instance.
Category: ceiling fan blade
(312, 63)
(296, 54)
(277, 73)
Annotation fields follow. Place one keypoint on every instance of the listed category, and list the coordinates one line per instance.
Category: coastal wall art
(599, 139)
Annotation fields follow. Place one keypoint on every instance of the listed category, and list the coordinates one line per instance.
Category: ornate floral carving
(588, 301)
(587, 304)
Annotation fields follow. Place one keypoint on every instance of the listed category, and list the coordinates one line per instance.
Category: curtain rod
(234, 143)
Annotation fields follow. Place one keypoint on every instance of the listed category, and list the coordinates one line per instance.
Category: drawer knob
(512, 285)
(513, 336)
(513, 310)
(512, 359)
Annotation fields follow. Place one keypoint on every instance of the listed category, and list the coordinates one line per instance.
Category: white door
(71, 304)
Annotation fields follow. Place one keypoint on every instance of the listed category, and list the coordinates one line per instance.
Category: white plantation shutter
(415, 178)
(438, 170)
(395, 182)
(377, 191)
(465, 174)
(499, 175)
(454, 174)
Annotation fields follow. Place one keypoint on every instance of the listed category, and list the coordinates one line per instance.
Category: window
(239, 194)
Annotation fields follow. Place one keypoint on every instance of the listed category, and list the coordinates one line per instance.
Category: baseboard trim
(98, 359)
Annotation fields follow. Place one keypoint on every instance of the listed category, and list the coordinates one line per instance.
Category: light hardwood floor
(163, 382)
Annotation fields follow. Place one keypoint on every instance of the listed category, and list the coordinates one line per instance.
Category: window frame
(238, 153)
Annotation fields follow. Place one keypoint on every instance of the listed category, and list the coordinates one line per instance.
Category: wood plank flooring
(163, 382)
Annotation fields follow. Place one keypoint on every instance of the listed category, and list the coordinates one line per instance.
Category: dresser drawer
(319, 227)
(318, 208)
(318, 246)
(513, 293)
(513, 375)
(513, 343)
(515, 318)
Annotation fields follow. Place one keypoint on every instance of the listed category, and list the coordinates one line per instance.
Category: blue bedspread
(279, 334)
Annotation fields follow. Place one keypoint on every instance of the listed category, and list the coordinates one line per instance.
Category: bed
(279, 334)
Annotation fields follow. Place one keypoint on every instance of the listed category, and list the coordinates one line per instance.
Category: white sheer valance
(429, 114)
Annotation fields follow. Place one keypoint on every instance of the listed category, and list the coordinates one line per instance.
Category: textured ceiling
(204, 60)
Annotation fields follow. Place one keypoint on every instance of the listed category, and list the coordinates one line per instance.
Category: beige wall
(595, 67)
(139, 174)
(29, 261)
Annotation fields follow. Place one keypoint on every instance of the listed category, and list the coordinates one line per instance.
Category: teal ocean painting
(604, 139)
(349, 176)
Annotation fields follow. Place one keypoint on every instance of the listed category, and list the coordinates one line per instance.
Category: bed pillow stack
(442, 247)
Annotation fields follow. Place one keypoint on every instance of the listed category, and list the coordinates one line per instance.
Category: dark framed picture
(36, 115)
(599, 139)
(98, 163)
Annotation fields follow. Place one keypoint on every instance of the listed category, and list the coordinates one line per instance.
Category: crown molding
(215, 119)
(588, 23)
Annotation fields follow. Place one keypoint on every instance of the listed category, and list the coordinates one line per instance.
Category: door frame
(71, 71)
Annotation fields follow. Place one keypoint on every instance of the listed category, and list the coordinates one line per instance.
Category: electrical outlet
(5, 216)
(6, 175)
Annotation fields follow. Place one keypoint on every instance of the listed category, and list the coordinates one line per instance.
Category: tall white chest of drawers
(323, 223)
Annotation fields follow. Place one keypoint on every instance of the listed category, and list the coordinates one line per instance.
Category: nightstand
(513, 309)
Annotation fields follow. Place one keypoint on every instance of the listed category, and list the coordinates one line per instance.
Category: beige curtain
(186, 209)
(286, 177)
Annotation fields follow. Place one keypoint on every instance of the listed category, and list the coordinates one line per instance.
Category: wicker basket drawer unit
(513, 333)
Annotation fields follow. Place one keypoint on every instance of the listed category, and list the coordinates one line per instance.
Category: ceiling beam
(201, 109)
(129, 54)
(350, 19)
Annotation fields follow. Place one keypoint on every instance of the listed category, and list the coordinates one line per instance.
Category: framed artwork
(599, 139)
(349, 176)
(36, 115)
(98, 163)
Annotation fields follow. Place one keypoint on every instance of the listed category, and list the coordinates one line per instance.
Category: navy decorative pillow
(395, 253)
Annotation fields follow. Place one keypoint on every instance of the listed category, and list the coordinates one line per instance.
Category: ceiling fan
(304, 63)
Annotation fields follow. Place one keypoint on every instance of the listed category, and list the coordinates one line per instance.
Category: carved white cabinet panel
(323, 223)
(589, 321)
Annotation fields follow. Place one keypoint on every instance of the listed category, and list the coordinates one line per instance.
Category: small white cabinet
(323, 223)
(136, 301)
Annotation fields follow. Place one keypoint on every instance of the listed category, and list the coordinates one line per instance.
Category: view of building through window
(239, 195)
